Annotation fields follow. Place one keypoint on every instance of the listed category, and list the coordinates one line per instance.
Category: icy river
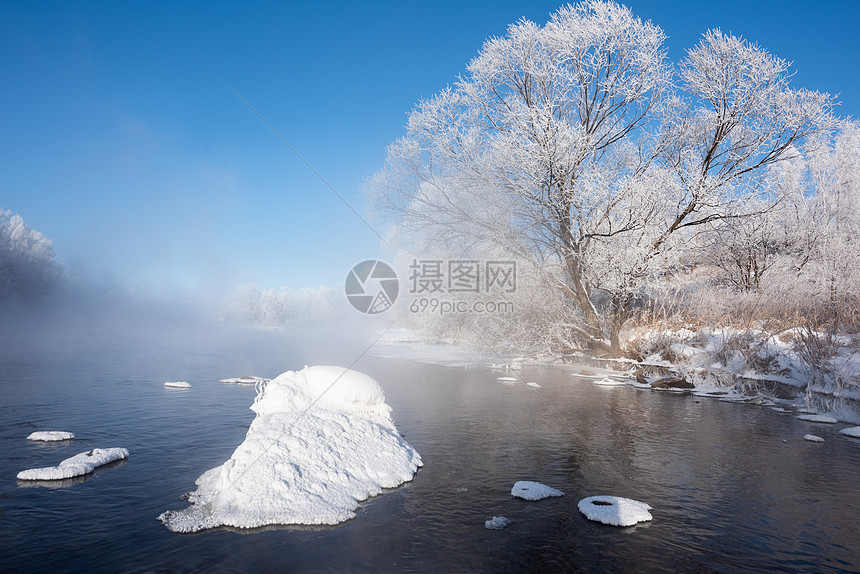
(734, 487)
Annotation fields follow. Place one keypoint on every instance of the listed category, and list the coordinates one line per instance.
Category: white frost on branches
(27, 265)
(577, 148)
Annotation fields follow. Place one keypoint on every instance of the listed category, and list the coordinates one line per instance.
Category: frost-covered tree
(568, 144)
(820, 220)
(251, 306)
(27, 265)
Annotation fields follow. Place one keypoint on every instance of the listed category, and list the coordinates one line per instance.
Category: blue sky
(122, 143)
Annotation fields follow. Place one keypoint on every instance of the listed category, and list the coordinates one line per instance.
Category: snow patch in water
(529, 490)
(78, 465)
(818, 419)
(614, 510)
(245, 380)
(497, 523)
(50, 436)
(607, 382)
(177, 385)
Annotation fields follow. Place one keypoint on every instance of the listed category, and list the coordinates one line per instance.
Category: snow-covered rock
(497, 523)
(533, 490)
(813, 438)
(818, 419)
(177, 385)
(614, 510)
(78, 465)
(323, 440)
(50, 436)
(851, 431)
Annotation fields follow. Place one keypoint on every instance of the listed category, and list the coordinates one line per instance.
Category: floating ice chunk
(607, 382)
(614, 510)
(507, 379)
(779, 409)
(818, 419)
(178, 385)
(497, 523)
(851, 431)
(813, 438)
(49, 436)
(78, 465)
(322, 441)
(245, 380)
(534, 385)
(533, 490)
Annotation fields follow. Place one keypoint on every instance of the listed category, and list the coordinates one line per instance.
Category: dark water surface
(728, 495)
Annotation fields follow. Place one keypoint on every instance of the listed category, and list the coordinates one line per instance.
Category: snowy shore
(726, 364)
(756, 365)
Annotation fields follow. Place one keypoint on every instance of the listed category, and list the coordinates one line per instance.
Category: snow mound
(533, 490)
(818, 419)
(851, 431)
(497, 523)
(177, 385)
(534, 385)
(49, 436)
(245, 380)
(78, 465)
(614, 510)
(813, 438)
(322, 441)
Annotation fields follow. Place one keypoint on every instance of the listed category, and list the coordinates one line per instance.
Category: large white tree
(571, 145)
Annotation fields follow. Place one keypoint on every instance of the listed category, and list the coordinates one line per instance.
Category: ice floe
(534, 385)
(813, 438)
(507, 379)
(818, 419)
(497, 523)
(177, 385)
(851, 431)
(78, 465)
(50, 436)
(322, 441)
(614, 510)
(533, 490)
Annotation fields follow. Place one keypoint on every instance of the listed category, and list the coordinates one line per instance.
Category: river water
(733, 487)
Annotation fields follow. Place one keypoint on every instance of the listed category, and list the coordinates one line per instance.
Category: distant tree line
(28, 269)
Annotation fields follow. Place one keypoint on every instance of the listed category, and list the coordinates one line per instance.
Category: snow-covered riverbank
(808, 370)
